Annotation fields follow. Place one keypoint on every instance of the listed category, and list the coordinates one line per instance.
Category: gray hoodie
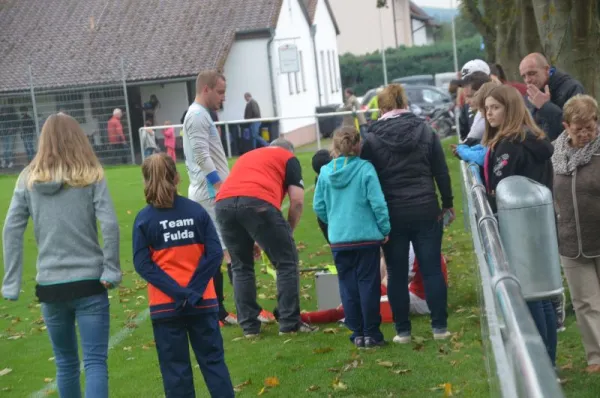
(66, 233)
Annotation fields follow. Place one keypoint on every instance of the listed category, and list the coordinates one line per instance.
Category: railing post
(33, 103)
(228, 136)
(318, 130)
(124, 81)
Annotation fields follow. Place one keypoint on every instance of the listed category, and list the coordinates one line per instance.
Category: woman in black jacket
(517, 146)
(410, 161)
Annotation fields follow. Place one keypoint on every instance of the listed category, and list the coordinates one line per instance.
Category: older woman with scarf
(576, 162)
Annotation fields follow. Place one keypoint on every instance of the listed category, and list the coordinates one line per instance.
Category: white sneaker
(402, 339)
(442, 335)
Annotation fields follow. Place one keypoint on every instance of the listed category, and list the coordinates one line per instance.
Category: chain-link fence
(23, 113)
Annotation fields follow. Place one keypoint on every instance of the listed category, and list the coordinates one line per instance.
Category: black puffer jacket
(408, 157)
(550, 116)
(531, 158)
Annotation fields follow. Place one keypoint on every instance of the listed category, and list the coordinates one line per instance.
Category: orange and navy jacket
(178, 252)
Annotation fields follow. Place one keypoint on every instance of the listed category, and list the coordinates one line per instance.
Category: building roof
(418, 13)
(311, 8)
(80, 42)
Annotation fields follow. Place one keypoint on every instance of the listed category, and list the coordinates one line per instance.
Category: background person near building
(149, 140)
(548, 89)
(471, 86)
(576, 162)
(249, 214)
(170, 141)
(28, 134)
(116, 138)
(410, 162)
(466, 114)
(176, 249)
(252, 111)
(356, 120)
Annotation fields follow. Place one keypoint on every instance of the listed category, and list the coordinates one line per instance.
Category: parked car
(416, 80)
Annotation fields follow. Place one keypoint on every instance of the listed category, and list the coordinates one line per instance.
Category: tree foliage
(567, 32)
(365, 72)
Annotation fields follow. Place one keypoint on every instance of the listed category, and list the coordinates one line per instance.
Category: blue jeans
(360, 288)
(149, 152)
(173, 338)
(544, 316)
(92, 316)
(255, 130)
(426, 237)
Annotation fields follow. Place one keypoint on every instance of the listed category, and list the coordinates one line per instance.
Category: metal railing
(228, 123)
(517, 362)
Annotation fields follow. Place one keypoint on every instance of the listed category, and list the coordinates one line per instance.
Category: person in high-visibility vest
(374, 105)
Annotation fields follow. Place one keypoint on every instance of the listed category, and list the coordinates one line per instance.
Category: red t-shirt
(265, 174)
(416, 286)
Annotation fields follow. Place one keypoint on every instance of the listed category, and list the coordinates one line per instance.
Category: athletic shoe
(230, 319)
(302, 328)
(251, 336)
(266, 317)
(359, 342)
(404, 338)
(372, 343)
(441, 334)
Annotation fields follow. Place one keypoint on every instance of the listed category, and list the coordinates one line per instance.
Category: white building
(402, 23)
(163, 55)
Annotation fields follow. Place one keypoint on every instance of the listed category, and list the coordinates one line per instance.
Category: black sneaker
(359, 342)
(372, 343)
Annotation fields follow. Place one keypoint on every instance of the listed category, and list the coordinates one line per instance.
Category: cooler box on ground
(328, 291)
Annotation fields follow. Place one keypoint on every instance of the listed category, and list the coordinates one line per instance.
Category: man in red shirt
(248, 212)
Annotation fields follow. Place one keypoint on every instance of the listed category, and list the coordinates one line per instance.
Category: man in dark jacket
(548, 89)
(252, 111)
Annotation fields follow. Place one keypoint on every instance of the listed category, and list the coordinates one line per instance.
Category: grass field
(319, 365)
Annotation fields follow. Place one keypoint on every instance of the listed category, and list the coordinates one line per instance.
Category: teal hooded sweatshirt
(348, 197)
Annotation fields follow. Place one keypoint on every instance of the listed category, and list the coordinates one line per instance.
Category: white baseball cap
(476, 65)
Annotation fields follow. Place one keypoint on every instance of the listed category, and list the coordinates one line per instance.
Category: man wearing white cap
(465, 119)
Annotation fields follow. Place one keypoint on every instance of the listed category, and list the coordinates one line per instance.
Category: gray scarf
(567, 159)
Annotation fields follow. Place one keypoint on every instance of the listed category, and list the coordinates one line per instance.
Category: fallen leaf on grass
(338, 385)
(448, 390)
(127, 348)
(48, 380)
(568, 366)
(330, 331)
(287, 341)
(50, 359)
(130, 359)
(352, 365)
(322, 350)
(263, 391)
(306, 297)
(271, 382)
(333, 370)
(313, 388)
(386, 364)
(401, 371)
(262, 296)
(443, 350)
(240, 386)
(5, 371)
(15, 320)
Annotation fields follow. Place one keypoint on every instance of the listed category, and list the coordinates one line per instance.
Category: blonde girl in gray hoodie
(64, 192)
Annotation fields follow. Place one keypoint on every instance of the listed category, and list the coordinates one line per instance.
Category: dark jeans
(243, 221)
(218, 282)
(426, 237)
(363, 131)
(360, 280)
(256, 138)
(544, 316)
(173, 338)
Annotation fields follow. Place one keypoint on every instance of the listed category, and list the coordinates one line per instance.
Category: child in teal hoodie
(348, 197)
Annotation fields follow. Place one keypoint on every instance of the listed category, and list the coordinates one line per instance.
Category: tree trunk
(484, 23)
(570, 37)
